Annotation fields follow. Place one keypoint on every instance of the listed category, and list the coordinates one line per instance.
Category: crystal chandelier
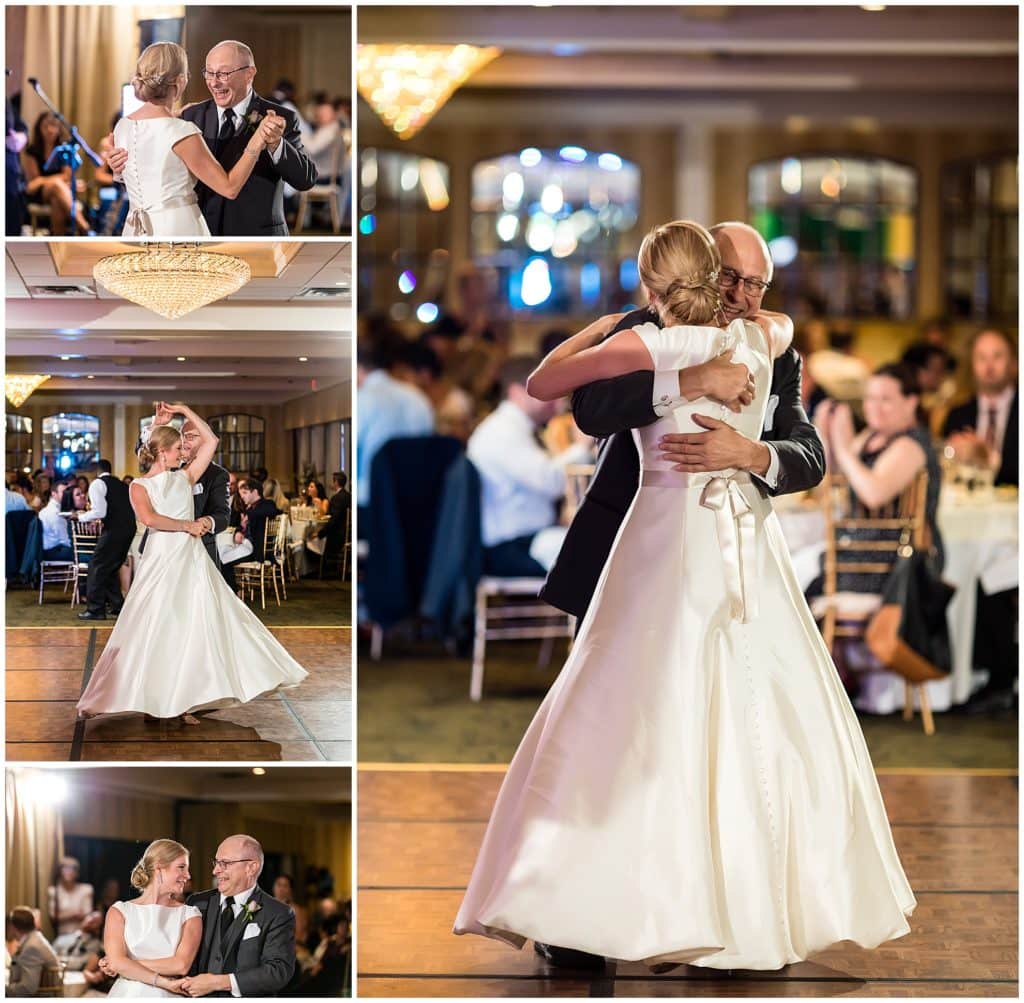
(18, 389)
(172, 280)
(406, 85)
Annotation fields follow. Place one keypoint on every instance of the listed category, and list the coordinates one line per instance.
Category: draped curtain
(34, 844)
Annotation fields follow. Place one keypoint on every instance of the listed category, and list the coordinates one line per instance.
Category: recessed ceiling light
(65, 358)
(90, 377)
(302, 358)
(258, 771)
(872, 6)
(181, 358)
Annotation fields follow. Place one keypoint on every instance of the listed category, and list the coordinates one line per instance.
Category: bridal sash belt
(734, 520)
(139, 219)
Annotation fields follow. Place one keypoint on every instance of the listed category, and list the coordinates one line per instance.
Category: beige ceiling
(299, 784)
(249, 344)
(894, 62)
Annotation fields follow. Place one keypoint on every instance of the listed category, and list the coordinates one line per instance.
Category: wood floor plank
(38, 752)
(29, 721)
(441, 854)
(477, 988)
(43, 685)
(18, 637)
(195, 752)
(963, 936)
(40, 658)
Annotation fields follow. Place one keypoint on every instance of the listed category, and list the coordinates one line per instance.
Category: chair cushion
(859, 605)
(493, 585)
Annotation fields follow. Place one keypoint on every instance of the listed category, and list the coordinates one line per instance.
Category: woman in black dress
(51, 187)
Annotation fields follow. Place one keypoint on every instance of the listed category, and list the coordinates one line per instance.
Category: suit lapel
(237, 928)
(210, 125)
(210, 927)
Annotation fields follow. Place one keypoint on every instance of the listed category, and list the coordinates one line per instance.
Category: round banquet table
(304, 527)
(980, 534)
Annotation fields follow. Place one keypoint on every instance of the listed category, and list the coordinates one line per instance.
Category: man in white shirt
(248, 946)
(16, 494)
(521, 483)
(387, 408)
(56, 538)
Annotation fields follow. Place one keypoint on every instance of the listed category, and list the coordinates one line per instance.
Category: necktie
(227, 917)
(990, 430)
(227, 127)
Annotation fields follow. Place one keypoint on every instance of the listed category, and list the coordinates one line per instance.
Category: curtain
(34, 844)
(81, 57)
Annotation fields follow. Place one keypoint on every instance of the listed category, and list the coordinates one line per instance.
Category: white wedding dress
(161, 191)
(695, 786)
(150, 932)
(183, 640)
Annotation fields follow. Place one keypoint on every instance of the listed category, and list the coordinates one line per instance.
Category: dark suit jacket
(213, 501)
(966, 416)
(337, 508)
(256, 527)
(259, 209)
(262, 964)
(610, 409)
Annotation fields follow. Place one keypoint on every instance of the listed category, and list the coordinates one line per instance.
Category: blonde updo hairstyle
(159, 853)
(160, 437)
(158, 69)
(679, 265)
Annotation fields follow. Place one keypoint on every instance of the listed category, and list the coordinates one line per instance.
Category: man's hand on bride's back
(721, 379)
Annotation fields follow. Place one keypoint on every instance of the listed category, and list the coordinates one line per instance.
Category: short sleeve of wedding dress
(680, 346)
(180, 129)
(190, 913)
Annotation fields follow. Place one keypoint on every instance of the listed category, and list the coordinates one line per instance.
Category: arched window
(404, 233)
(980, 208)
(71, 443)
(242, 441)
(843, 233)
(19, 444)
(559, 226)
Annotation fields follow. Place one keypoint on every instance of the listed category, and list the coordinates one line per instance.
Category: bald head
(238, 864)
(229, 72)
(745, 256)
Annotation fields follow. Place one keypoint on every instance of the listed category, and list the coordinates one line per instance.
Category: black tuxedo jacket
(262, 963)
(337, 508)
(210, 500)
(966, 417)
(259, 209)
(610, 409)
(256, 527)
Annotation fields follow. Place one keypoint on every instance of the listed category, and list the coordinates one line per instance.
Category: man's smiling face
(745, 254)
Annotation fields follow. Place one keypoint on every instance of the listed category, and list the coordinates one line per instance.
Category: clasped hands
(190, 985)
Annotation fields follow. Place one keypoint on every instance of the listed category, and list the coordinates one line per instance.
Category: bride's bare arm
(180, 963)
(588, 356)
(207, 441)
(144, 513)
(200, 161)
(116, 952)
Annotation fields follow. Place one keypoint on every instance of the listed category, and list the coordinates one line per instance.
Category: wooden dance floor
(419, 829)
(47, 669)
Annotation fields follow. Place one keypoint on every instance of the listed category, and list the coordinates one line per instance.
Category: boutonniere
(249, 910)
(252, 121)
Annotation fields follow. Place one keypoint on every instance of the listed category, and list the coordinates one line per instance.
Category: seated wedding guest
(272, 492)
(315, 497)
(330, 959)
(933, 366)
(330, 539)
(326, 136)
(80, 950)
(387, 407)
(19, 490)
(237, 505)
(260, 474)
(986, 426)
(56, 534)
(51, 186)
(520, 482)
(284, 891)
(75, 498)
(284, 94)
(34, 965)
(454, 409)
(839, 372)
(258, 512)
(883, 459)
(83, 483)
(69, 901)
(41, 488)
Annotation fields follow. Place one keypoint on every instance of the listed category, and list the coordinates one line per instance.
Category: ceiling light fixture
(172, 280)
(407, 85)
(18, 389)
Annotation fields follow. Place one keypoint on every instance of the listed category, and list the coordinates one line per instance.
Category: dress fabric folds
(695, 787)
(183, 641)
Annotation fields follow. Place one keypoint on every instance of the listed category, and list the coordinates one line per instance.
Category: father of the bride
(227, 122)
(248, 946)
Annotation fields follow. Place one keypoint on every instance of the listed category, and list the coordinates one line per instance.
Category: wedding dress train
(183, 641)
(161, 191)
(695, 787)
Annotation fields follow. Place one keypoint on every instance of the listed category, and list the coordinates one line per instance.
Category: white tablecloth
(302, 531)
(981, 539)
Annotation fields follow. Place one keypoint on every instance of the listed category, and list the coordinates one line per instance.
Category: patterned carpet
(414, 707)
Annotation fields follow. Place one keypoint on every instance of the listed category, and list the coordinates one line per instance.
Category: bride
(166, 155)
(695, 787)
(151, 941)
(184, 641)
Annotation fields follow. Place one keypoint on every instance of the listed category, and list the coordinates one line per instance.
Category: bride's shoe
(190, 719)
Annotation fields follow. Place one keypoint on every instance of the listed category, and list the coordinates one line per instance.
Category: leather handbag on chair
(909, 634)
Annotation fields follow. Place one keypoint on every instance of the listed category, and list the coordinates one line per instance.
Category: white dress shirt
(520, 480)
(1000, 404)
(54, 526)
(240, 110)
(667, 398)
(237, 906)
(97, 500)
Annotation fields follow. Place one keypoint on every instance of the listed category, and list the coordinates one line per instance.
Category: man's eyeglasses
(221, 75)
(224, 863)
(729, 277)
